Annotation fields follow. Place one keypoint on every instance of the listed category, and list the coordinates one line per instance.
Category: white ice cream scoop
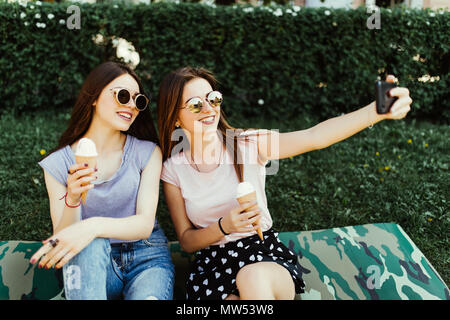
(86, 148)
(244, 188)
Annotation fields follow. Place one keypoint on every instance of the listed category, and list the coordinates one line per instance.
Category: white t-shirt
(211, 195)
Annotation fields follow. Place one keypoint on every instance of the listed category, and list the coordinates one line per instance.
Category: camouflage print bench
(373, 261)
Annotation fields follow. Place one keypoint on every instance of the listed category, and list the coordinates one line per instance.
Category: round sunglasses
(195, 104)
(123, 97)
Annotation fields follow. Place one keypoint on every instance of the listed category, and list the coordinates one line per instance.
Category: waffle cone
(92, 163)
(251, 197)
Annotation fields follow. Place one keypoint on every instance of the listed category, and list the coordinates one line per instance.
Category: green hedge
(315, 60)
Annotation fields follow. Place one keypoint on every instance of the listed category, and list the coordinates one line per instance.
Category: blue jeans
(132, 271)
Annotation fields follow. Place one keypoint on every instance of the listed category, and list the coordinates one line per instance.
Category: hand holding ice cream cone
(86, 152)
(245, 193)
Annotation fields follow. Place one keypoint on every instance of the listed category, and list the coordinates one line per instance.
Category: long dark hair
(169, 102)
(142, 128)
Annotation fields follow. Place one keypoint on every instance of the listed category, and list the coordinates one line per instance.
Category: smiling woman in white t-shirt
(204, 161)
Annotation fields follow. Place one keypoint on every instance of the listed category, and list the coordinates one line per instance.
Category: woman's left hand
(400, 107)
(69, 242)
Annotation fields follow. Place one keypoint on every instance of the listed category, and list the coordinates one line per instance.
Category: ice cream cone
(86, 153)
(92, 163)
(251, 197)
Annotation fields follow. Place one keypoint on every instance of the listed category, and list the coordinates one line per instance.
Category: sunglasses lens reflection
(215, 98)
(195, 105)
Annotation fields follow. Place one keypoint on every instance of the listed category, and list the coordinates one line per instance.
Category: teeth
(208, 119)
(126, 115)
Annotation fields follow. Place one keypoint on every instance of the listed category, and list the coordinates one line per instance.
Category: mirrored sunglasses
(195, 105)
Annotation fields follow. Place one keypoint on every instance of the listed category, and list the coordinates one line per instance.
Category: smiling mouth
(124, 116)
(208, 120)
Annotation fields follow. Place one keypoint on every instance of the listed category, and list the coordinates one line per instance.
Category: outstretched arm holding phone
(332, 130)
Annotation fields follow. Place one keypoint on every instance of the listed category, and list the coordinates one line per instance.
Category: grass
(397, 172)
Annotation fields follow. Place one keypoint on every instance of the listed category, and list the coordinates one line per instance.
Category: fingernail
(86, 165)
(32, 261)
(96, 169)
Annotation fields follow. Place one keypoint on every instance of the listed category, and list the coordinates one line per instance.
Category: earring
(177, 125)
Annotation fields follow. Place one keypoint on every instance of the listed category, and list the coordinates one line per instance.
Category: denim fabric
(133, 270)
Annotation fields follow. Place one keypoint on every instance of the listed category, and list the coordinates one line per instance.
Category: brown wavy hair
(168, 105)
(82, 113)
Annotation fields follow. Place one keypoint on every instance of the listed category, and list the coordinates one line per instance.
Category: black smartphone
(384, 100)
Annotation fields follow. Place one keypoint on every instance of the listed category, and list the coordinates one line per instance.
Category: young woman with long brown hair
(110, 247)
(200, 175)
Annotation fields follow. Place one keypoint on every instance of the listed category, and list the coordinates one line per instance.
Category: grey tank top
(115, 197)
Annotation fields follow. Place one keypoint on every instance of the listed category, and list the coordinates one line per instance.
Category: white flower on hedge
(334, 24)
(296, 8)
(38, 3)
(126, 51)
(22, 15)
(31, 7)
(428, 78)
(98, 39)
(249, 9)
(432, 14)
(327, 12)
(278, 12)
(427, 22)
(41, 25)
(260, 102)
(289, 11)
(37, 16)
(62, 21)
(50, 16)
(26, 23)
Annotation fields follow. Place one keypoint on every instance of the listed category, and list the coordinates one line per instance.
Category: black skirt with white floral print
(213, 272)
